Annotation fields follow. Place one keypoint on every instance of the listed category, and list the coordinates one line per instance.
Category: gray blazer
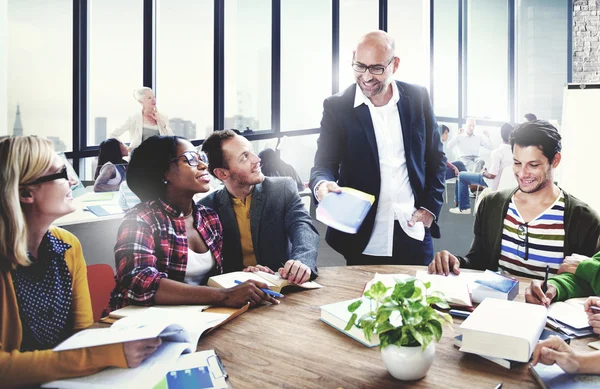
(281, 227)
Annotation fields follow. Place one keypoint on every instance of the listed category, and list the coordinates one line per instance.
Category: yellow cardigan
(19, 369)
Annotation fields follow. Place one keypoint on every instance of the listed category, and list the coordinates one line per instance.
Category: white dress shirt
(469, 145)
(396, 198)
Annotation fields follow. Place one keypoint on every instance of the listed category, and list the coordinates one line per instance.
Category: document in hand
(454, 287)
(345, 211)
(503, 329)
(553, 377)
(155, 322)
(337, 316)
(273, 281)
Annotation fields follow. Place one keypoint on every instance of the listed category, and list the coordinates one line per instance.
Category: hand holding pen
(592, 308)
(541, 292)
(249, 292)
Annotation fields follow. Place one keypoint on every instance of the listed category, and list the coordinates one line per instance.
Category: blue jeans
(461, 191)
(450, 172)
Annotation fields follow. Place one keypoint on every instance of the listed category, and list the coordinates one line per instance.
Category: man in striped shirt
(522, 230)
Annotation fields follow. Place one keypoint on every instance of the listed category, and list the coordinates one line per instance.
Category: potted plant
(406, 324)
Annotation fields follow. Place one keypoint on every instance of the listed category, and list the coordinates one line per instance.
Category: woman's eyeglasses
(63, 173)
(193, 158)
(523, 234)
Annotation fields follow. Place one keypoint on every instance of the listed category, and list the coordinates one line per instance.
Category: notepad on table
(345, 211)
(202, 369)
(273, 281)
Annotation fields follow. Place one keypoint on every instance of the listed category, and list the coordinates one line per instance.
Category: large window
(305, 62)
(541, 57)
(184, 65)
(40, 70)
(248, 64)
(487, 59)
(408, 23)
(115, 65)
(357, 17)
(445, 58)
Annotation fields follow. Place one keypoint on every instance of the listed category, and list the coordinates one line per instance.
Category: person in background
(501, 158)
(452, 168)
(112, 168)
(530, 117)
(265, 225)
(167, 246)
(145, 124)
(44, 296)
(522, 230)
(468, 144)
(127, 199)
(273, 166)
(380, 136)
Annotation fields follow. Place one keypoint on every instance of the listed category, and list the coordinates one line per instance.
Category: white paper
(568, 314)
(416, 232)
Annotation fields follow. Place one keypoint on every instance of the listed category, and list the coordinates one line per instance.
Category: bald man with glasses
(380, 136)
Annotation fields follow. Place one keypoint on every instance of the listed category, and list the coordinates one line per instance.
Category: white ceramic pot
(408, 363)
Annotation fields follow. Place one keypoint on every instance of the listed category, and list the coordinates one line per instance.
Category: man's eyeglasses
(63, 173)
(373, 69)
(523, 234)
(193, 158)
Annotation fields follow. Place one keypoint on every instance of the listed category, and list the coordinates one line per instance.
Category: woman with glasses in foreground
(44, 296)
(167, 246)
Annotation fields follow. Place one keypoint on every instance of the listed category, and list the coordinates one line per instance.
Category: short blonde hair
(23, 159)
(138, 94)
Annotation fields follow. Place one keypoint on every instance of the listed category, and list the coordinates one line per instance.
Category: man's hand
(326, 187)
(555, 350)
(248, 292)
(256, 268)
(570, 263)
(443, 263)
(593, 317)
(421, 215)
(295, 272)
(138, 350)
(453, 167)
(534, 294)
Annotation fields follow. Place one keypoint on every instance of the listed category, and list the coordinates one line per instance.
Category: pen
(498, 386)
(221, 366)
(545, 284)
(267, 291)
(595, 308)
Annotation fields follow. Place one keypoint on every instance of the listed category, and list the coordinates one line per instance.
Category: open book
(345, 211)
(273, 281)
(455, 288)
(153, 322)
(167, 309)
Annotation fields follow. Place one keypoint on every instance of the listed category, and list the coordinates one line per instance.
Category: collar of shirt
(360, 98)
(174, 212)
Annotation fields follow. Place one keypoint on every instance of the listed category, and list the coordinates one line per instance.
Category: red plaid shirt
(152, 244)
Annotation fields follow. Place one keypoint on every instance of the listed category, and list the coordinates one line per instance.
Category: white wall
(3, 66)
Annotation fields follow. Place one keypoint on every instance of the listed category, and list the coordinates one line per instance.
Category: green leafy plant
(404, 318)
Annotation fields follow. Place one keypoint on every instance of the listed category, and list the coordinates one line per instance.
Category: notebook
(202, 370)
(455, 288)
(553, 377)
(337, 316)
(345, 211)
(273, 281)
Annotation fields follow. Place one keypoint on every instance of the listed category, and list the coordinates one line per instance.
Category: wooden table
(287, 346)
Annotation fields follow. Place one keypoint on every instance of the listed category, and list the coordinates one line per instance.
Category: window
(184, 65)
(305, 62)
(115, 65)
(357, 17)
(248, 64)
(408, 23)
(541, 57)
(487, 59)
(445, 58)
(40, 70)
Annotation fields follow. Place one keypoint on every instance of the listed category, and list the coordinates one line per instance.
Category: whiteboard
(579, 170)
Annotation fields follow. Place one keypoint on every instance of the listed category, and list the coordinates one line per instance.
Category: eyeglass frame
(200, 157)
(63, 173)
(370, 67)
(523, 228)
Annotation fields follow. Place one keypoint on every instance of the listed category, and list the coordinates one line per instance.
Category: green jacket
(582, 236)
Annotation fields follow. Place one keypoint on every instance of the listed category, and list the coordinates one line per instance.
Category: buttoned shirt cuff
(434, 218)
(317, 188)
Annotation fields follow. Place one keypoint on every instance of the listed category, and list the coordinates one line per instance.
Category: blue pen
(267, 291)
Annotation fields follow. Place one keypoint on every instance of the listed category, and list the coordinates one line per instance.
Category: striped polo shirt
(544, 235)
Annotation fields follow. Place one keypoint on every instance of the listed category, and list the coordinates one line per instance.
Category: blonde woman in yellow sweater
(44, 294)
